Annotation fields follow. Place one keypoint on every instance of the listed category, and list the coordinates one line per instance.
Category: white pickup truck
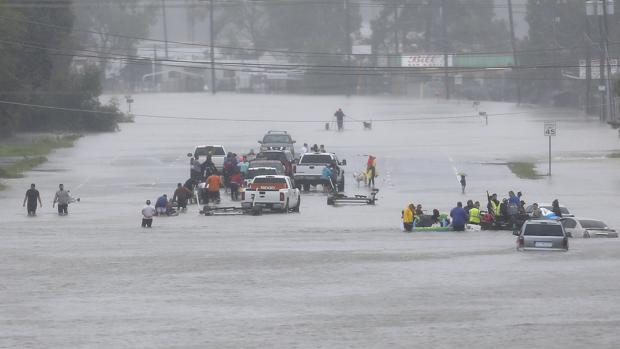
(218, 154)
(310, 168)
(272, 192)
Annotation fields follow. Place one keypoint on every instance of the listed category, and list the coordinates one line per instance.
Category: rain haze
(413, 106)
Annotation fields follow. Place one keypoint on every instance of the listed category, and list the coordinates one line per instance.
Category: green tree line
(37, 67)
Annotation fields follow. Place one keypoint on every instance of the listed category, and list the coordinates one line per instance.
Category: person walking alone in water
(339, 114)
(463, 183)
(147, 215)
(32, 195)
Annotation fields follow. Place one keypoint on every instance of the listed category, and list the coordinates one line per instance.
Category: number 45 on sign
(551, 129)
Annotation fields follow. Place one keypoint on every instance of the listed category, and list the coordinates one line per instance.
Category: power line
(197, 118)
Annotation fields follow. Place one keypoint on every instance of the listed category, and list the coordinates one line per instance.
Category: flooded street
(328, 277)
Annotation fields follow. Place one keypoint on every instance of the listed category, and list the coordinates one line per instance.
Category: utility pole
(347, 29)
(153, 71)
(514, 51)
(610, 94)
(165, 20)
(212, 36)
(602, 84)
(444, 32)
(588, 54)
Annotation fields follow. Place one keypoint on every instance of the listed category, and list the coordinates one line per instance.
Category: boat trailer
(339, 199)
(231, 211)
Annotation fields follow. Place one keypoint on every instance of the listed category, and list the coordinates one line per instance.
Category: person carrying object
(63, 199)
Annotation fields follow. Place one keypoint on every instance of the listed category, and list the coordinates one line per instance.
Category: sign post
(551, 130)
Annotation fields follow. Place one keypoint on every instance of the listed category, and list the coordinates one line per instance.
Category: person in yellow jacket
(493, 205)
(474, 214)
(408, 217)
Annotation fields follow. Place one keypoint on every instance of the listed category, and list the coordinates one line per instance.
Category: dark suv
(277, 140)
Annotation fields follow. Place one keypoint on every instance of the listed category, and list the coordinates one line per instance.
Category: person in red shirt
(235, 183)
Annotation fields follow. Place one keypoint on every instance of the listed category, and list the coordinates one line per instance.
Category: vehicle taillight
(521, 241)
(281, 196)
(243, 195)
(565, 243)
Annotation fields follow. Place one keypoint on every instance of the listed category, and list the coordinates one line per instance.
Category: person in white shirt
(304, 149)
(63, 199)
(147, 215)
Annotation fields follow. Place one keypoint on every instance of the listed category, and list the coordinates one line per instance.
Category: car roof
(276, 132)
(275, 151)
(543, 222)
(584, 219)
(546, 204)
(262, 168)
(318, 153)
(271, 176)
(210, 145)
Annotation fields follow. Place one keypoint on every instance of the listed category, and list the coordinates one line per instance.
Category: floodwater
(328, 277)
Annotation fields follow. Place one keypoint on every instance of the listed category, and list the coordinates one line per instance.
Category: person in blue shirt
(459, 217)
(326, 176)
(243, 167)
(161, 204)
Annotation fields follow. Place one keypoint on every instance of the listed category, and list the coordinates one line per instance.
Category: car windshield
(269, 180)
(204, 151)
(563, 209)
(253, 172)
(277, 139)
(276, 155)
(591, 224)
(316, 159)
(543, 230)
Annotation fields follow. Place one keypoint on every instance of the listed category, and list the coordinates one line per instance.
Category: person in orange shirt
(214, 182)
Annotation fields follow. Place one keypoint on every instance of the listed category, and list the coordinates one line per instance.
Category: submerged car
(547, 209)
(542, 235)
(587, 228)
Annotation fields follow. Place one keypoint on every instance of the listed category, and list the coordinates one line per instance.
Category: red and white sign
(423, 61)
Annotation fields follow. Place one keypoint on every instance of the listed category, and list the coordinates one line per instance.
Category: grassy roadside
(524, 170)
(614, 155)
(29, 154)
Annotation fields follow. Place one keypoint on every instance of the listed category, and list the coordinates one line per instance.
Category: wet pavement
(327, 277)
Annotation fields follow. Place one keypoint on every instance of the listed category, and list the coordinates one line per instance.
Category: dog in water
(367, 125)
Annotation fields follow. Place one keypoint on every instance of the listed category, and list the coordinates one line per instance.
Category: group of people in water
(510, 212)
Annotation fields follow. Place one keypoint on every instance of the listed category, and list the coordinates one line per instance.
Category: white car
(272, 192)
(218, 154)
(547, 209)
(587, 228)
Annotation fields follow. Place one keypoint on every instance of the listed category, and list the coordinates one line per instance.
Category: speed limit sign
(551, 129)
